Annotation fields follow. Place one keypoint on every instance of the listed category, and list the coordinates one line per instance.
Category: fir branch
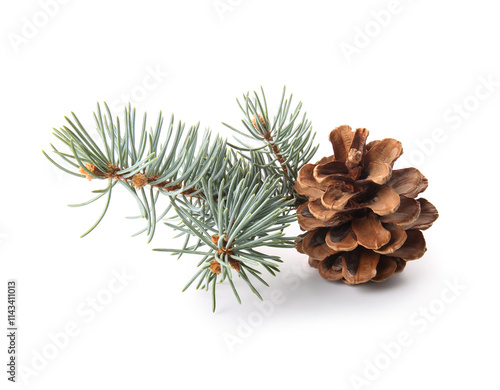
(174, 167)
(290, 145)
(245, 216)
(229, 201)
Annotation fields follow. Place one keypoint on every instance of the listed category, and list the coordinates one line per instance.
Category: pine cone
(362, 219)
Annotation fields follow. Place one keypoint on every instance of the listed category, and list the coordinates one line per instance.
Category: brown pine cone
(362, 219)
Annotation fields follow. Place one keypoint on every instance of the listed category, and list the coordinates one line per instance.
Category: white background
(419, 72)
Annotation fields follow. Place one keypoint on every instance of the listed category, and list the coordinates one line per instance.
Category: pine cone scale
(407, 213)
(386, 202)
(341, 141)
(365, 270)
(414, 246)
(370, 232)
(408, 181)
(427, 216)
(385, 268)
(386, 151)
(378, 173)
(347, 243)
(398, 238)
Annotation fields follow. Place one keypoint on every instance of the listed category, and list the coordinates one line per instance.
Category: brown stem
(269, 138)
(138, 181)
(225, 250)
